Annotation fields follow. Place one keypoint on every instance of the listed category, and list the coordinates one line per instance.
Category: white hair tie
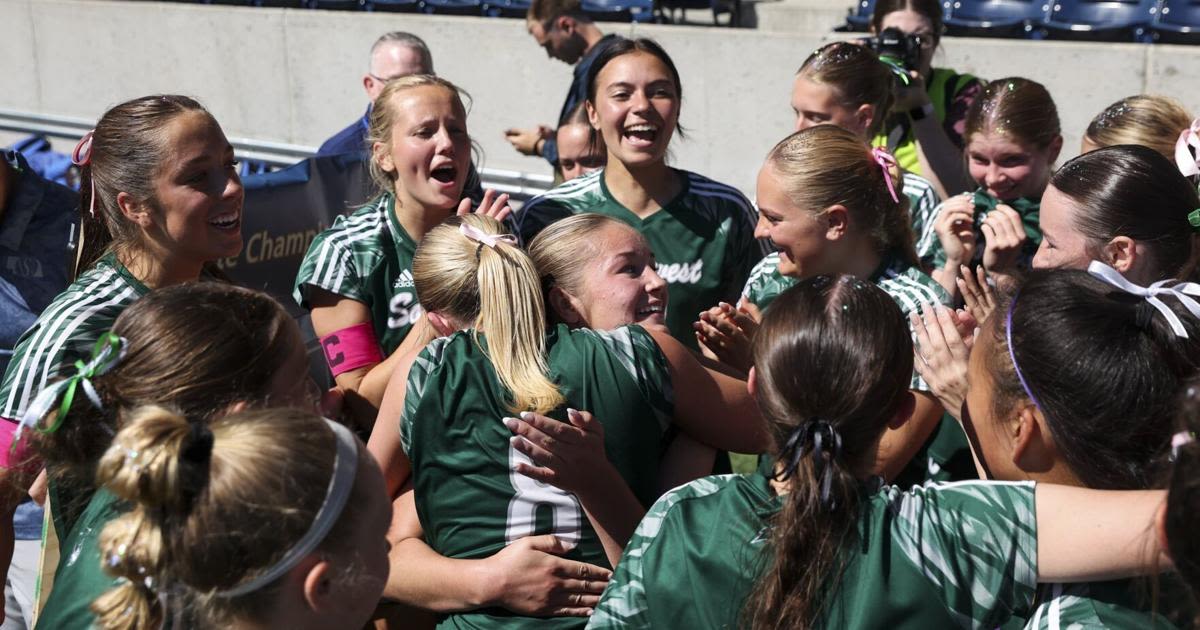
(1181, 290)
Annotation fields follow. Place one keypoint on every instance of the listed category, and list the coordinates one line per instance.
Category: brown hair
(855, 75)
(558, 251)
(929, 9)
(1183, 494)
(210, 515)
(543, 11)
(1018, 108)
(201, 346)
(496, 290)
(128, 150)
(826, 165)
(850, 337)
(384, 114)
(1148, 120)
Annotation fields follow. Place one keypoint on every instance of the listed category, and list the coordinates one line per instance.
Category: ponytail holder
(1187, 150)
(200, 444)
(1181, 290)
(886, 162)
(81, 156)
(483, 238)
(1180, 440)
(106, 354)
(1194, 219)
(820, 438)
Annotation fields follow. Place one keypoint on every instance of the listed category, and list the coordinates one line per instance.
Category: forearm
(946, 276)
(685, 460)
(1086, 535)
(941, 161)
(612, 509)
(898, 446)
(422, 578)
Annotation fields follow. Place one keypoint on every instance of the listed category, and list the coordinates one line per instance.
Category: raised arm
(1087, 535)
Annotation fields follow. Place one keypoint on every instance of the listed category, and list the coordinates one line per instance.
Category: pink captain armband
(19, 458)
(351, 348)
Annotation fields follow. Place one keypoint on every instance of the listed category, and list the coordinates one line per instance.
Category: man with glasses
(394, 55)
(569, 35)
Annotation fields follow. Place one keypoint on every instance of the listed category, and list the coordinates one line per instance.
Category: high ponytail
(850, 337)
(496, 289)
(826, 165)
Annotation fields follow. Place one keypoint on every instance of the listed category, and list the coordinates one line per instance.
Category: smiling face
(619, 284)
(817, 104)
(636, 108)
(429, 152)
(1008, 169)
(196, 214)
(1063, 245)
(798, 235)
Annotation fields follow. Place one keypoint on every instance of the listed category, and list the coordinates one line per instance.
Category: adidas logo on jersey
(681, 273)
(405, 280)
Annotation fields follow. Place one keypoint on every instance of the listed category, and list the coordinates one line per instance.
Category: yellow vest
(943, 86)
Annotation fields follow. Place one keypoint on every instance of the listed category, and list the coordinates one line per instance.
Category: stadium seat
(1178, 22)
(283, 4)
(507, 8)
(394, 6)
(667, 10)
(452, 7)
(996, 18)
(858, 19)
(337, 5)
(620, 10)
(1100, 20)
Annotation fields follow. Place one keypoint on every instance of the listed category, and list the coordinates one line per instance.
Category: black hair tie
(817, 437)
(197, 453)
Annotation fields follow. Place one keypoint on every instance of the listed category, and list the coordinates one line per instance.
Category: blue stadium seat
(996, 18)
(1178, 22)
(452, 7)
(394, 6)
(858, 17)
(1100, 20)
(620, 10)
(507, 8)
(337, 5)
(667, 10)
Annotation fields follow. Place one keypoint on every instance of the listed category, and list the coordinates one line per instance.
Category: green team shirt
(1115, 604)
(766, 282)
(703, 240)
(940, 556)
(470, 502)
(67, 331)
(929, 247)
(80, 577)
(366, 257)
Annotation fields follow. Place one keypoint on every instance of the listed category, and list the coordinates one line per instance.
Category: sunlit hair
(494, 290)
(1149, 120)
(562, 251)
(1017, 108)
(855, 75)
(384, 115)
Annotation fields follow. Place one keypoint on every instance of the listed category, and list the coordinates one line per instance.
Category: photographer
(925, 128)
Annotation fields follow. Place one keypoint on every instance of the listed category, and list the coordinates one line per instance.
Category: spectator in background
(393, 55)
(580, 149)
(567, 34)
(925, 130)
(38, 225)
(1151, 121)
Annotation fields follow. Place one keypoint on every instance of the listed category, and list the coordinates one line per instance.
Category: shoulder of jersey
(703, 187)
(361, 224)
(915, 183)
(578, 187)
(692, 490)
(915, 285)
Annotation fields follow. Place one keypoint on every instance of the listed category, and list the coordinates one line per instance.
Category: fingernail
(515, 440)
(525, 415)
(511, 423)
(573, 414)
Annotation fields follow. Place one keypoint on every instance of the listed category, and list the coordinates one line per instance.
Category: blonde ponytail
(497, 289)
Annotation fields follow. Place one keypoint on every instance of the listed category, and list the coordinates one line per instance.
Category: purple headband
(1012, 353)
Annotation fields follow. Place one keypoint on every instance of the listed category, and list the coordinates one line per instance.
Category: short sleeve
(765, 282)
(329, 264)
(641, 357)
(419, 375)
(534, 216)
(975, 542)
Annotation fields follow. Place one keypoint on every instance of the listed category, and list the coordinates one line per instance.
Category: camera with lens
(897, 48)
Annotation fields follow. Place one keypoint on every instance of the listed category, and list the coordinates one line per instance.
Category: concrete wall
(294, 76)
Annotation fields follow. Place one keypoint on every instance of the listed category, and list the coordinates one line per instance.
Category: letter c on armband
(351, 348)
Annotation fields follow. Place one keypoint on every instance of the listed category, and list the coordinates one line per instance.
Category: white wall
(294, 76)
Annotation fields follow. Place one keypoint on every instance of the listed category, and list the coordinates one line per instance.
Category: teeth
(642, 128)
(224, 220)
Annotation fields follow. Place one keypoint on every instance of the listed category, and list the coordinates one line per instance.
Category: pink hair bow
(886, 162)
(1187, 150)
(491, 240)
(81, 156)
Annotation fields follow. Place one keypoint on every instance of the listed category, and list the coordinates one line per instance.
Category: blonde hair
(496, 289)
(383, 118)
(213, 511)
(1148, 120)
(826, 165)
(560, 251)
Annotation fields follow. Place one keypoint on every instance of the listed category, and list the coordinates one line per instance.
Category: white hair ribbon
(1187, 150)
(1181, 290)
(106, 354)
(491, 240)
(341, 483)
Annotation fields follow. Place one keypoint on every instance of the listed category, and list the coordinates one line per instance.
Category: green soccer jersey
(766, 282)
(1116, 604)
(67, 331)
(366, 257)
(470, 501)
(80, 577)
(703, 240)
(929, 247)
(940, 556)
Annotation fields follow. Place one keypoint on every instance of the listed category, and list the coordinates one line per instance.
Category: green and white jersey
(67, 331)
(470, 501)
(1116, 604)
(765, 280)
(703, 240)
(940, 556)
(366, 257)
(929, 246)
